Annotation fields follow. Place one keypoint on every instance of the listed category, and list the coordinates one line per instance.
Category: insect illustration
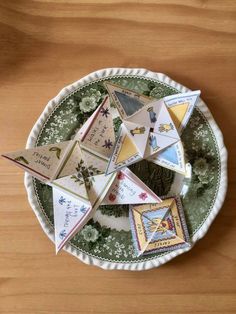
(57, 150)
(21, 159)
(166, 127)
(138, 130)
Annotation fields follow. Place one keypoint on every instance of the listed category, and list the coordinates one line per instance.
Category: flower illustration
(62, 200)
(157, 92)
(204, 179)
(143, 196)
(83, 209)
(88, 104)
(105, 112)
(94, 93)
(62, 234)
(200, 167)
(108, 144)
(112, 197)
(90, 233)
(120, 176)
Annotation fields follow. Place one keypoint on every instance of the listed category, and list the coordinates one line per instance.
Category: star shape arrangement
(150, 129)
(91, 169)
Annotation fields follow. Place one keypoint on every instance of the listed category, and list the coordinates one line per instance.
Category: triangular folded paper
(125, 152)
(139, 135)
(148, 115)
(126, 101)
(127, 188)
(70, 214)
(74, 185)
(164, 124)
(171, 158)
(92, 168)
(149, 128)
(180, 107)
(159, 227)
(94, 161)
(99, 135)
(157, 142)
(42, 162)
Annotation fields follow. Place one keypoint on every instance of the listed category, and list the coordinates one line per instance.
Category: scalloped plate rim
(156, 261)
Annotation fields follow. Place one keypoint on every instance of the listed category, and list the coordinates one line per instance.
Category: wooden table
(46, 45)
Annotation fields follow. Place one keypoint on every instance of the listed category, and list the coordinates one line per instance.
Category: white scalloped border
(156, 261)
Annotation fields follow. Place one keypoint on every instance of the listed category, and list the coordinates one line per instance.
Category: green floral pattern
(200, 148)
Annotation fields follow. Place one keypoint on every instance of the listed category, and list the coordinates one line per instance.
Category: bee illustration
(163, 225)
(166, 127)
(137, 130)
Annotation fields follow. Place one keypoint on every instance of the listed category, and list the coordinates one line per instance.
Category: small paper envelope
(159, 227)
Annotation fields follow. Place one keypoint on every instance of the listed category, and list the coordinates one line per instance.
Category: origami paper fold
(158, 227)
(92, 168)
(127, 188)
(76, 171)
(151, 128)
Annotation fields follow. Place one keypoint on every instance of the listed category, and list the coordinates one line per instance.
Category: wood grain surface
(48, 44)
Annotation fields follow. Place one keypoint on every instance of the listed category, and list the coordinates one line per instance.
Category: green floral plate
(106, 240)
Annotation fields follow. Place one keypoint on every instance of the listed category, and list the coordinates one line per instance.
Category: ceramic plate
(106, 240)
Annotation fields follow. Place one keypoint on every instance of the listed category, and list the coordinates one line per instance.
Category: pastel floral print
(89, 233)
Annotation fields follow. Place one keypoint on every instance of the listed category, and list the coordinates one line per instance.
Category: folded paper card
(150, 129)
(91, 169)
(158, 227)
